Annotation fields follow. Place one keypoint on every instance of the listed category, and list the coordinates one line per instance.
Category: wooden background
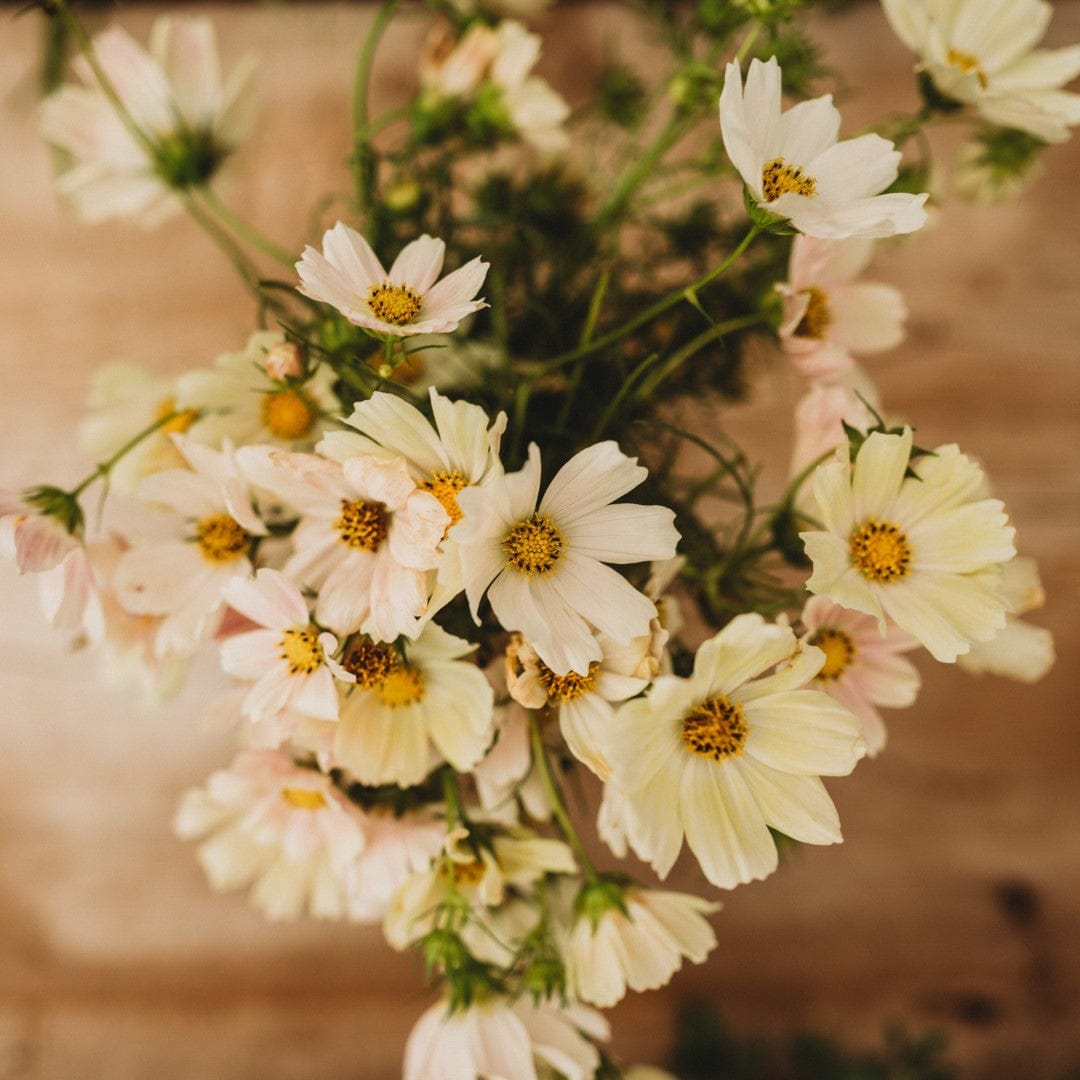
(954, 902)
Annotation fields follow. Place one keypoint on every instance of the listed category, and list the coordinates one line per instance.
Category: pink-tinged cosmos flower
(285, 830)
(366, 538)
(500, 1038)
(182, 580)
(863, 669)
(289, 662)
(176, 96)
(408, 299)
(794, 167)
(828, 315)
(545, 559)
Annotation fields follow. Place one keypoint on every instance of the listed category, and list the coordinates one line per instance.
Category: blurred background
(953, 904)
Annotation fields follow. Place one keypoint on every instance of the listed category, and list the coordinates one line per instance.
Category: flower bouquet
(443, 520)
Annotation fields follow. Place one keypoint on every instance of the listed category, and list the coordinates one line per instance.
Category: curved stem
(248, 233)
(362, 132)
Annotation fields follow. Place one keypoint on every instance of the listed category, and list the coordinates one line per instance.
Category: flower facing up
(366, 538)
(545, 564)
(175, 95)
(259, 395)
(1020, 651)
(730, 752)
(584, 701)
(862, 669)
(982, 53)
(828, 315)
(501, 1038)
(923, 551)
(630, 937)
(407, 714)
(183, 579)
(408, 299)
(285, 830)
(289, 662)
(794, 168)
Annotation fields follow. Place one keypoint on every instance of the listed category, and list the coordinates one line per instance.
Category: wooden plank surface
(117, 961)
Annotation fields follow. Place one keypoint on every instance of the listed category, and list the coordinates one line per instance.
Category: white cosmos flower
(1020, 651)
(722, 756)
(545, 563)
(289, 662)
(240, 398)
(366, 537)
(506, 775)
(183, 579)
(982, 53)
(584, 701)
(408, 714)
(638, 948)
(925, 553)
(500, 1039)
(862, 669)
(177, 98)
(408, 299)
(285, 830)
(828, 315)
(794, 167)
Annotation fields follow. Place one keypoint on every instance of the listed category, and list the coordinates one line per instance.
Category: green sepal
(56, 503)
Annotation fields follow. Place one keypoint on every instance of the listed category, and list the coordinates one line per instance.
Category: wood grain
(118, 962)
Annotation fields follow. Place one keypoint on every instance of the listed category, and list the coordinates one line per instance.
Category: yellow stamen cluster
(362, 524)
(220, 539)
(818, 316)
(287, 414)
(396, 304)
(370, 662)
(402, 686)
(716, 729)
(838, 648)
(179, 423)
(300, 798)
(301, 650)
(968, 64)
(463, 873)
(779, 178)
(880, 550)
(445, 487)
(568, 687)
(534, 546)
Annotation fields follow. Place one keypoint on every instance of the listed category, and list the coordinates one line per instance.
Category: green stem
(455, 813)
(650, 313)
(558, 808)
(362, 166)
(248, 233)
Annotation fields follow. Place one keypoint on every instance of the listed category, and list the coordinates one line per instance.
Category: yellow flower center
(287, 414)
(401, 686)
(396, 304)
(179, 423)
(779, 178)
(968, 64)
(362, 524)
(301, 650)
(301, 798)
(220, 539)
(445, 487)
(534, 546)
(568, 687)
(880, 550)
(817, 317)
(463, 873)
(715, 729)
(370, 663)
(838, 648)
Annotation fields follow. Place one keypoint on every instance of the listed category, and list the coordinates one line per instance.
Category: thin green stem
(455, 814)
(558, 807)
(362, 132)
(248, 233)
(653, 311)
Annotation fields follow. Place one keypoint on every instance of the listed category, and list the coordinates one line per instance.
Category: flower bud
(284, 361)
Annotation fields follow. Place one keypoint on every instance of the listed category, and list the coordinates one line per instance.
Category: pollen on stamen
(715, 729)
(362, 525)
(301, 650)
(220, 539)
(303, 798)
(403, 686)
(880, 550)
(287, 414)
(445, 487)
(818, 315)
(779, 178)
(568, 687)
(370, 662)
(534, 546)
(968, 64)
(839, 651)
(395, 304)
